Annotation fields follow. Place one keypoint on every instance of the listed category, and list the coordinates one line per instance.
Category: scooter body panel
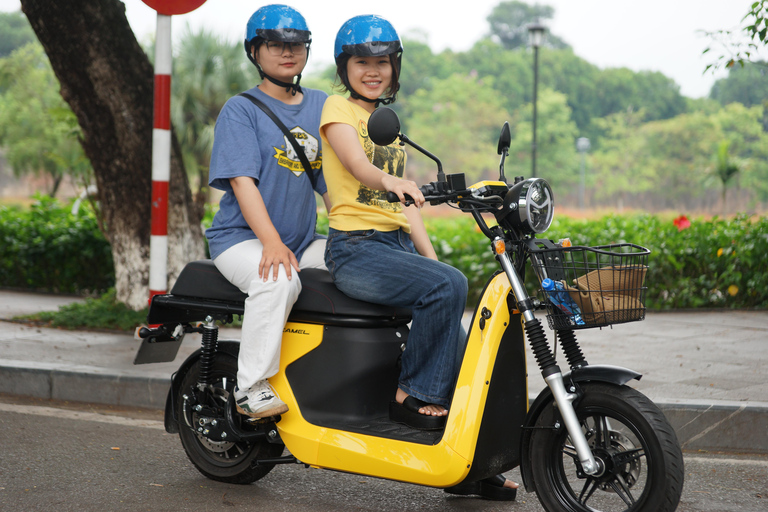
(428, 458)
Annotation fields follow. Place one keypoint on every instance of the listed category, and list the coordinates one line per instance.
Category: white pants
(267, 306)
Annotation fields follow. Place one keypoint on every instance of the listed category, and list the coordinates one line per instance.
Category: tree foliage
(460, 115)
(591, 93)
(107, 80)
(745, 84)
(37, 129)
(669, 164)
(726, 167)
(733, 49)
(509, 23)
(15, 32)
(207, 71)
(556, 134)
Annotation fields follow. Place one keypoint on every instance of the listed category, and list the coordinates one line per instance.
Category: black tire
(641, 455)
(229, 462)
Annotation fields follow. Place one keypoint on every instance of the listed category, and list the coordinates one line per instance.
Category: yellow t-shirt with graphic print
(355, 206)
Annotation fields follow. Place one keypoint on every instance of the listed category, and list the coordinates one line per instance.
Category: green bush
(711, 263)
(704, 263)
(47, 248)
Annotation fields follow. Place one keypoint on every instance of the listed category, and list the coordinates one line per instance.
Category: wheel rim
(217, 453)
(624, 480)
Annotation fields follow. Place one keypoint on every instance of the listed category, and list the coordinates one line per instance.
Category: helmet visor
(286, 35)
(372, 48)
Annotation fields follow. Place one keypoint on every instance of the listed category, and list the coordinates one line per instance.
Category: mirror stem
(440, 173)
(504, 155)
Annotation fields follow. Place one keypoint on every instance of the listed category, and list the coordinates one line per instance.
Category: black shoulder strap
(296, 146)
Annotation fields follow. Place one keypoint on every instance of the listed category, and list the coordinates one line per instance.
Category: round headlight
(537, 206)
(530, 206)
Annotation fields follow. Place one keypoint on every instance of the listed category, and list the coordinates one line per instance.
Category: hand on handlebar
(407, 192)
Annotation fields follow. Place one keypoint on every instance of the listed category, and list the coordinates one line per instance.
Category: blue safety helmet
(367, 36)
(276, 22)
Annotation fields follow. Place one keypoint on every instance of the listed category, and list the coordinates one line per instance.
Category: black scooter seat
(200, 282)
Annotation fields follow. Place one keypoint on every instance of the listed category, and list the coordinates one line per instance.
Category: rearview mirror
(505, 138)
(384, 126)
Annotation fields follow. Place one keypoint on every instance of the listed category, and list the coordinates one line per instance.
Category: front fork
(537, 338)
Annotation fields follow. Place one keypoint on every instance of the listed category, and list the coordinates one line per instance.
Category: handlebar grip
(392, 198)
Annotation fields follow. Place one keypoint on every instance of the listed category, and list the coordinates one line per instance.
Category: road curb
(83, 384)
(740, 427)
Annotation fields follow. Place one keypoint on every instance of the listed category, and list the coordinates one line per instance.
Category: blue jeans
(384, 268)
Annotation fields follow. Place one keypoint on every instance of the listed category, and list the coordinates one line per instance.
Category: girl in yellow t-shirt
(379, 251)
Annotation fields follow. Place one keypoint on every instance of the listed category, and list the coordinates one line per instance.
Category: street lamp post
(536, 37)
(582, 145)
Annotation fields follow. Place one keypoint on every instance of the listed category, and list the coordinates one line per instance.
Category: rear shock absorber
(571, 349)
(208, 350)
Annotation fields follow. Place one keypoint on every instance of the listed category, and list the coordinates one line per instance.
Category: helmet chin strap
(289, 87)
(377, 101)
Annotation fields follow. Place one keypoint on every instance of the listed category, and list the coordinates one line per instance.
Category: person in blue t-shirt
(264, 231)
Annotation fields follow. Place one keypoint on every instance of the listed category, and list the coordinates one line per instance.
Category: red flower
(682, 223)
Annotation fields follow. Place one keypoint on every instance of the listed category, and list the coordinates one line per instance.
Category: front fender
(597, 373)
(171, 419)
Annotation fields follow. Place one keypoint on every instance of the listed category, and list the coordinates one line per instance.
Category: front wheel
(224, 461)
(637, 449)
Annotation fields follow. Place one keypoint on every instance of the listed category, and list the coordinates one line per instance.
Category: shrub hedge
(694, 263)
(47, 248)
(702, 263)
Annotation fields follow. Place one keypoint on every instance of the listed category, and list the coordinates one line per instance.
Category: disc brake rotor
(200, 422)
(628, 471)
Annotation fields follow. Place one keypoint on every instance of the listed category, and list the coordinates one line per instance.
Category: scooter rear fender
(171, 420)
(597, 373)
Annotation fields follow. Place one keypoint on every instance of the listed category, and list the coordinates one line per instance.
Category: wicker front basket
(605, 282)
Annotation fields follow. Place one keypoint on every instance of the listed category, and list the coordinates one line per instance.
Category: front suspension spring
(538, 341)
(571, 349)
(208, 350)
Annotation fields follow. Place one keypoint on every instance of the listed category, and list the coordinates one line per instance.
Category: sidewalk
(706, 370)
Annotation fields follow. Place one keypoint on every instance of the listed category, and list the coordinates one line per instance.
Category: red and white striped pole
(161, 159)
(161, 140)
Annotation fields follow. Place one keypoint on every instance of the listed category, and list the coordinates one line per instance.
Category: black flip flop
(491, 488)
(407, 413)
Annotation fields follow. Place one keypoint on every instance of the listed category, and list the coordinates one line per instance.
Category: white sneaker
(259, 401)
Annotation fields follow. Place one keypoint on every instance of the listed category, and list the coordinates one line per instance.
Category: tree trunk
(108, 82)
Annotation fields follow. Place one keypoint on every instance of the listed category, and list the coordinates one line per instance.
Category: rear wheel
(221, 460)
(640, 458)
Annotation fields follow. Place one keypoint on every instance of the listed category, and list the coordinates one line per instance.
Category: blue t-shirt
(248, 143)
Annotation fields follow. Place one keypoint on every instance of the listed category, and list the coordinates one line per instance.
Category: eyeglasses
(277, 48)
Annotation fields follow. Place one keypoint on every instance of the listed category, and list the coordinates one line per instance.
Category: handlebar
(455, 191)
(431, 194)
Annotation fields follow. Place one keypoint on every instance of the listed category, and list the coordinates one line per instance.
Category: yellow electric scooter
(588, 442)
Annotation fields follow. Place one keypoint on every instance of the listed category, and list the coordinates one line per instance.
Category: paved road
(86, 458)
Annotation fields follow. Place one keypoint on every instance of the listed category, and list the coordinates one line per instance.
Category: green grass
(101, 313)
